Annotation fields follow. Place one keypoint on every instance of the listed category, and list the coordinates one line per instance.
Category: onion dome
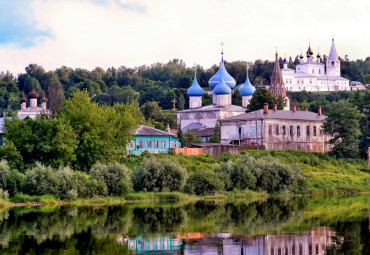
(301, 56)
(195, 90)
(310, 51)
(44, 99)
(33, 94)
(222, 72)
(247, 89)
(23, 99)
(318, 55)
(222, 88)
(284, 61)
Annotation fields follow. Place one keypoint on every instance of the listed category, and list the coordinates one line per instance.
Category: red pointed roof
(276, 82)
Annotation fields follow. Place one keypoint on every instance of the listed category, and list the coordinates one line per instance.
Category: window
(174, 144)
(164, 144)
(284, 130)
(314, 131)
(321, 131)
(270, 129)
(298, 130)
(291, 130)
(313, 70)
(149, 144)
(319, 71)
(332, 63)
(277, 129)
(141, 143)
(308, 130)
(156, 144)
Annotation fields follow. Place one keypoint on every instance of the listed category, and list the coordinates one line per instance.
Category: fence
(187, 151)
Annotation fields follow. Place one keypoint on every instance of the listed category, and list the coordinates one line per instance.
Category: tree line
(160, 82)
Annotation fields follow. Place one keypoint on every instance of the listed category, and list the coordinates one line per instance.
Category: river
(273, 226)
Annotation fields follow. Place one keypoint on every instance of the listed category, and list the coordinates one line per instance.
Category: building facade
(33, 110)
(315, 76)
(151, 140)
(277, 130)
(223, 84)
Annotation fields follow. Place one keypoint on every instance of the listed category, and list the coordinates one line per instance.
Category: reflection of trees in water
(261, 217)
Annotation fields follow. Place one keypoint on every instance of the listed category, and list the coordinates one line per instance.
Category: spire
(276, 83)
(333, 55)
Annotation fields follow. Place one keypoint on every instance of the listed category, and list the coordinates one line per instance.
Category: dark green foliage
(216, 138)
(115, 175)
(264, 174)
(190, 137)
(41, 180)
(262, 96)
(343, 124)
(155, 117)
(155, 174)
(204, 182)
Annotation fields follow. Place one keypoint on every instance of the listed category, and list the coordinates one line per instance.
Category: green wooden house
(151, 140)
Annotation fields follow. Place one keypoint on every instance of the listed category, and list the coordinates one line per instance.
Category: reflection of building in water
(313, 242)
(160, 245)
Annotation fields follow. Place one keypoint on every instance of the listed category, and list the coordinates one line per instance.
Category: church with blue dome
(199, 117)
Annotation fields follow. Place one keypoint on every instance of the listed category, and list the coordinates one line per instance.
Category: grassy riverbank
(324, 174)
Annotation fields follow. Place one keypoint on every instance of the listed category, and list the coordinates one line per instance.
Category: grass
(23, 198)
(159, 196)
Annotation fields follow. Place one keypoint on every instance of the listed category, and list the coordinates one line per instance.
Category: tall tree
(55, 93)
(343, 124)
(262, 96)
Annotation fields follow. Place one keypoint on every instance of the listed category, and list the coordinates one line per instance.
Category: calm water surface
(319, 225)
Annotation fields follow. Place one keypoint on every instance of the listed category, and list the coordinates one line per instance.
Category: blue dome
(228, 79)
(222, 88)
(284, 61)
(247, 89)
(195, 90)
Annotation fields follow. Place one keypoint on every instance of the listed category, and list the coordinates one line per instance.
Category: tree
(102, 131)
(54, 92)
(216, 138)
(237, 98)
(262, 96)
(181, 102)
(190, 137)
(343, 124)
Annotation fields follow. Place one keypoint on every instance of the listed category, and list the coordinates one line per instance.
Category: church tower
(333, 62)
(195, 93)
(277, 87)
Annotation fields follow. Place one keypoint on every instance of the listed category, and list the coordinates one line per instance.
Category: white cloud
(87, 34)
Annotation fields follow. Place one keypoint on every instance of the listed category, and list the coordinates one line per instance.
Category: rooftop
(145, 130)
(207, 131)
(279, 114)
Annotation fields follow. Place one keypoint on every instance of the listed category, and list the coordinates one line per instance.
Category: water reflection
(316, 241)
(331, 225)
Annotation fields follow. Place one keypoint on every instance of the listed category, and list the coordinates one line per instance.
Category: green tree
(343, 124)
(102, 131)
(190, 137)
(181, 102)
(262, 96)
(216, 138)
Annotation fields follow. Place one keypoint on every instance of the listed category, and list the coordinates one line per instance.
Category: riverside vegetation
(158, 177)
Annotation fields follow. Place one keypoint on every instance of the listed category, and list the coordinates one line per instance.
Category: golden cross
(174, 101)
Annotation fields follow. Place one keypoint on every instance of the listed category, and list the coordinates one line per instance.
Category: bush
(157, 174)
(42, 180)
(72, 194)
(4, 173)
(4, 195)
(116, 177)
(204, 182)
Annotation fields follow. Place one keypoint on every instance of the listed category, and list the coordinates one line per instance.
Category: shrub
(158, 174)
(72, 194)
(4, 173)
(41, 180)
(204, 182)
(4, 195)
(116, 176)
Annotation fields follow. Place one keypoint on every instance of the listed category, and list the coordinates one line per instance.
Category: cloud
(18, 26)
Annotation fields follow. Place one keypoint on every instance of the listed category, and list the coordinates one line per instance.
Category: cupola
(222, 88)
(195, 90)
(248, 89)
(222, 73)
(33, 94)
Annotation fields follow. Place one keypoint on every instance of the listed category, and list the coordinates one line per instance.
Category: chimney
(294, 108)
(275, 107)
(266, 108)
(319, 111)
(305, 109)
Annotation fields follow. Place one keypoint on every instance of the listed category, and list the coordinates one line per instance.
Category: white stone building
(277, 130)
(312, 76)
(199, 116)
(33, 110)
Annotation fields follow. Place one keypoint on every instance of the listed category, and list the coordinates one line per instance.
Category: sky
(105, 33)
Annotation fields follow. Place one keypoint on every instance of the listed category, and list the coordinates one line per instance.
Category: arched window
(332, 63)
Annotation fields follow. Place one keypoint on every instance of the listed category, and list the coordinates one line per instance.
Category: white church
(312, 76)
(223, 84)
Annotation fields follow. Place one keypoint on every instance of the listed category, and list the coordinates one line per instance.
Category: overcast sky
(91, 33)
